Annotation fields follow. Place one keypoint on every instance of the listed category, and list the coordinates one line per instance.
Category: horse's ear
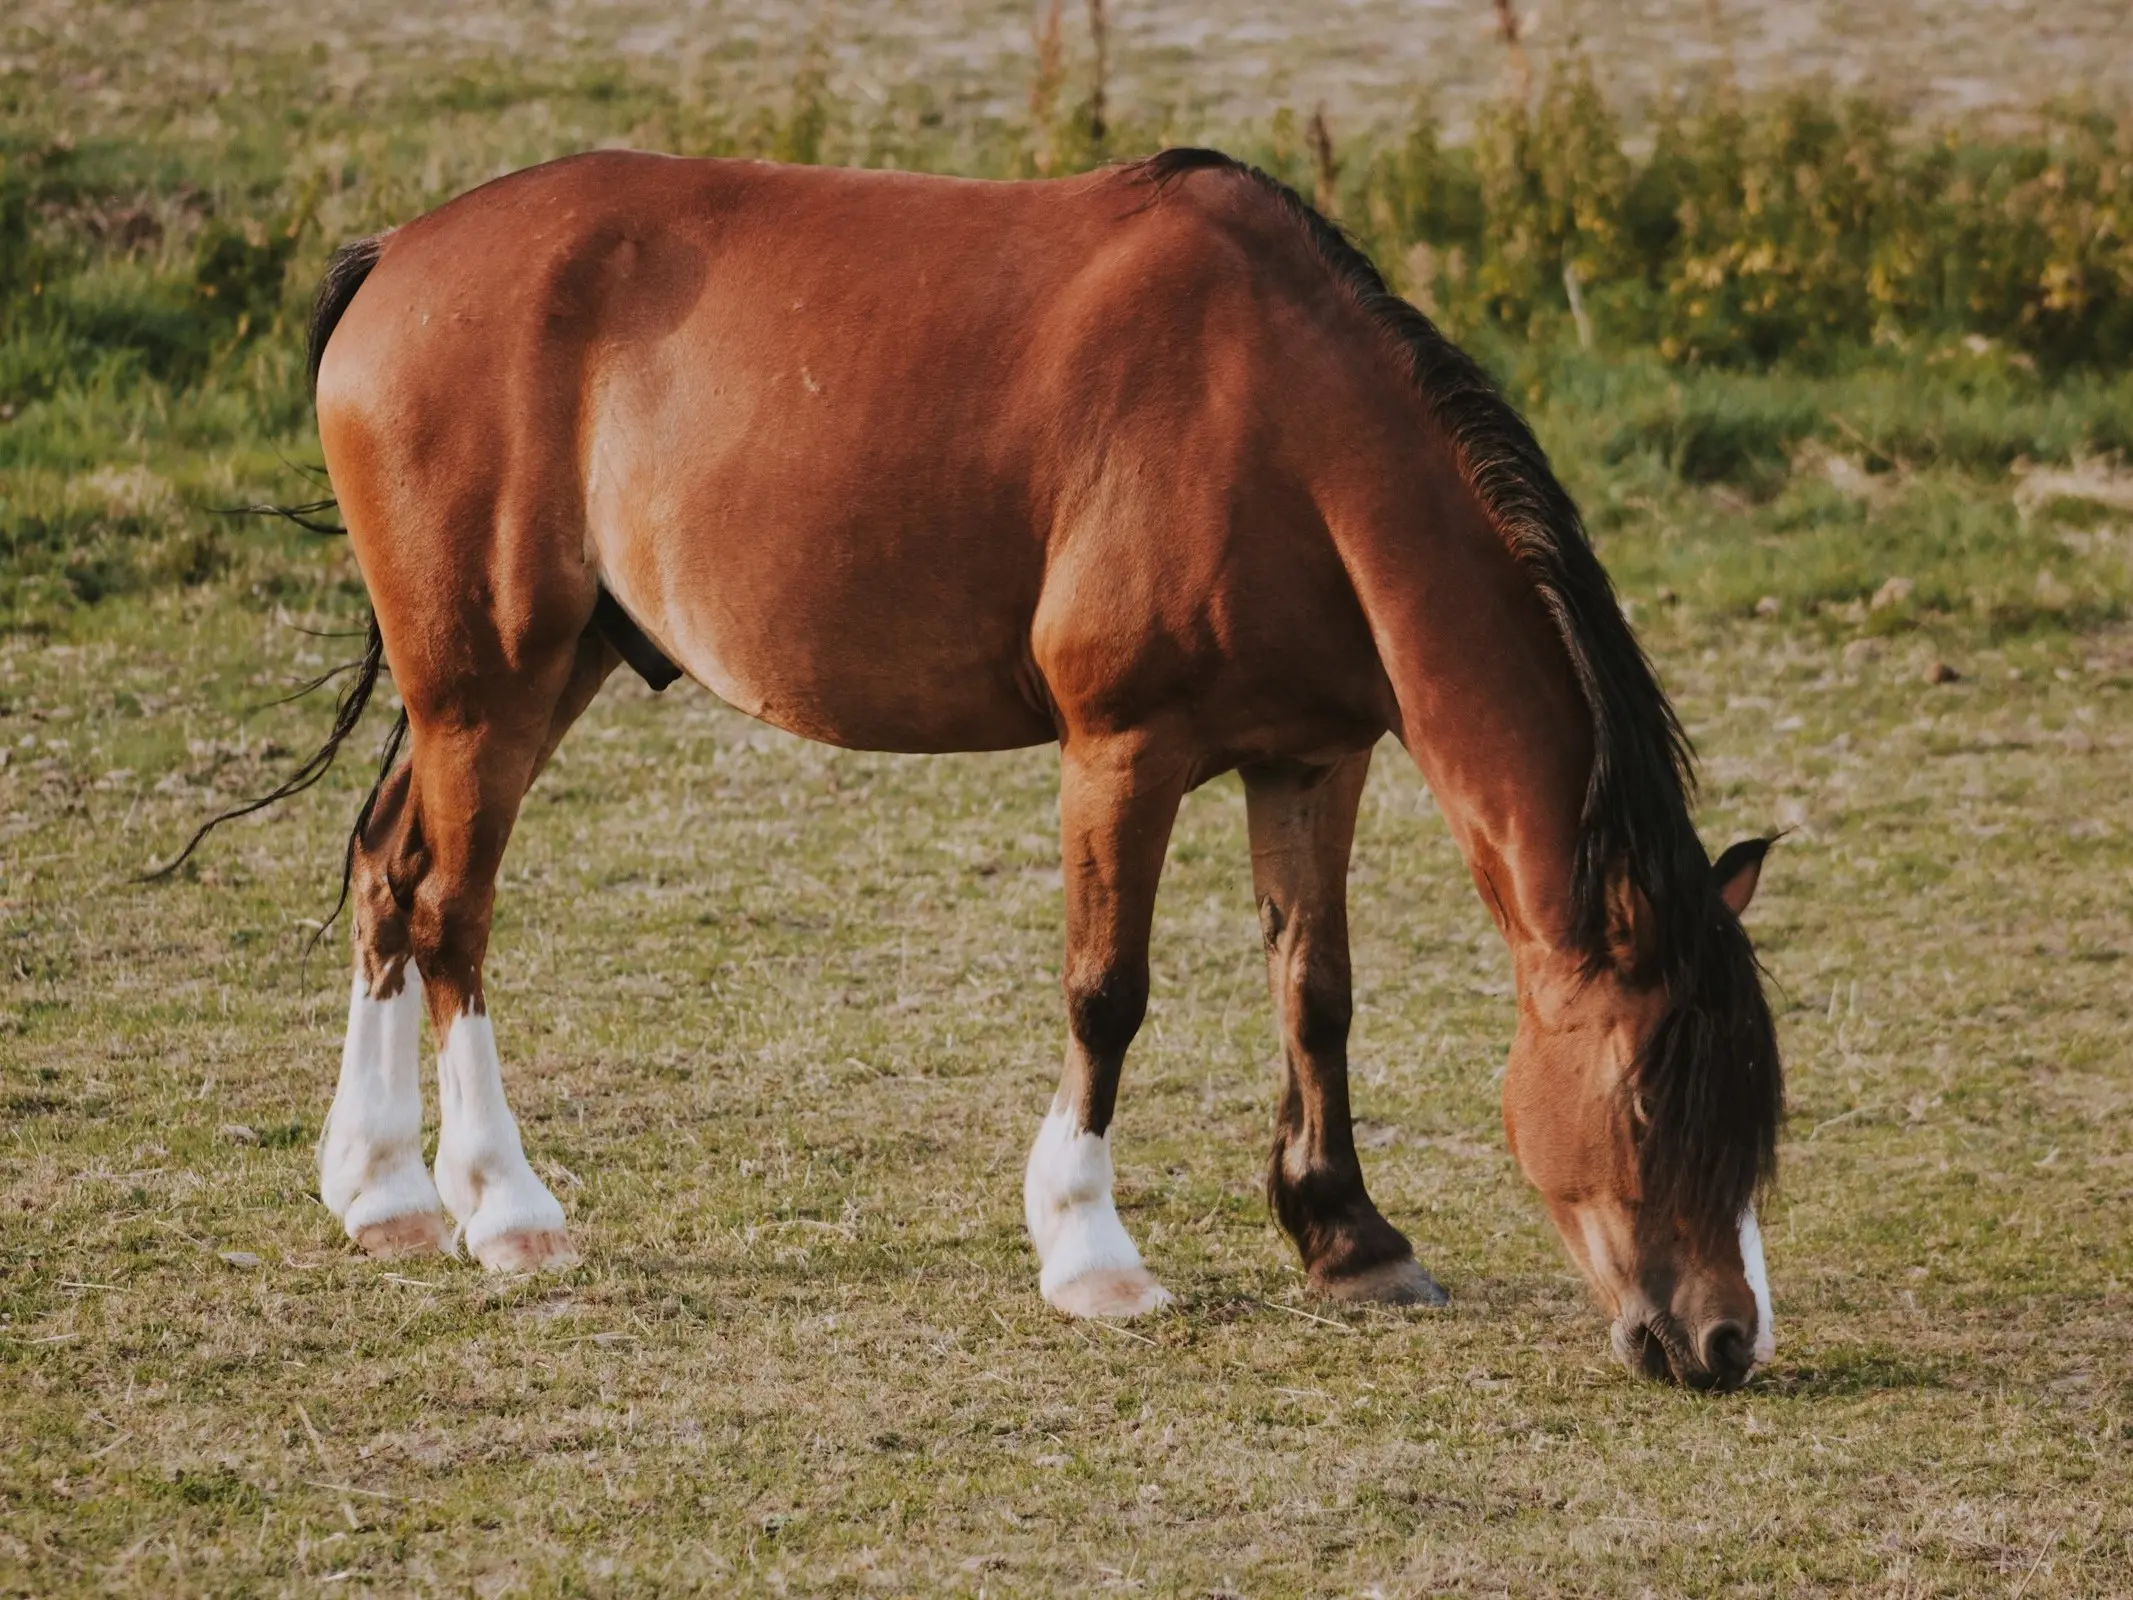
(1630, 930)
(1738, 870)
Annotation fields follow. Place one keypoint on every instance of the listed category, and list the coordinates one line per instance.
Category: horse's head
(1642, 1099)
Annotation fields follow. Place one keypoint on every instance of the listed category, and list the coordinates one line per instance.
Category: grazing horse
(1148, 463)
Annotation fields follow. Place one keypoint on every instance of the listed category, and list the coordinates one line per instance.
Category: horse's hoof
(527, 1250)
(1394, 1283)
(414, 1233)
(1111, 1292)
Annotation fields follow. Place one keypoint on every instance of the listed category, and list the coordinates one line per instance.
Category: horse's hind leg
(1117, 802)
(371, 1173)
(1302, 823)
(469, 782)
(424, 877)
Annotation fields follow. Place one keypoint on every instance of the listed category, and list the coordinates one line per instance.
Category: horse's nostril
(1728, 1353)
(1651, 1355)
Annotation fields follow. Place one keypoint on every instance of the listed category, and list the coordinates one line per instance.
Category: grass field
(779, 1021)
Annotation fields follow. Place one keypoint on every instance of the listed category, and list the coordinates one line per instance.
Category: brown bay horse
(1147, 463)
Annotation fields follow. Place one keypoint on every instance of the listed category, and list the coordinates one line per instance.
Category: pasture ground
(779, 1022)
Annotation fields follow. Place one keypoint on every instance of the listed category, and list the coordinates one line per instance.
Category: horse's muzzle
(1719, 1357)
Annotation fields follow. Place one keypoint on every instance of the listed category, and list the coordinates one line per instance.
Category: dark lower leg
(379, 907)
(1302, 826)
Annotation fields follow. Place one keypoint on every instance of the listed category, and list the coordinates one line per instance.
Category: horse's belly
(839, 641)
(947, 706)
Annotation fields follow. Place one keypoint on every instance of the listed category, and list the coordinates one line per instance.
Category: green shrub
(1790, 231)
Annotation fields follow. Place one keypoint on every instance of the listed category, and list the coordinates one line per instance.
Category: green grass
(779, 1021)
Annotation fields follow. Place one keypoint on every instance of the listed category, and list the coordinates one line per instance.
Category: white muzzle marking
(1751, 1260)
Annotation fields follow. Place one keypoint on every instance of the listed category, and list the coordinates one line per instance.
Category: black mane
(1709, 1084)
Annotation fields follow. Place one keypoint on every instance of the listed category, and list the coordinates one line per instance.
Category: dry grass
(780, 1021)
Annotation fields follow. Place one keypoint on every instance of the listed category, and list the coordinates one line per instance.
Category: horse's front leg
(1302, 822)
(1117, 800)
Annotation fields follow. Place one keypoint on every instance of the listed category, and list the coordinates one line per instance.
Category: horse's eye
(1640, 1110)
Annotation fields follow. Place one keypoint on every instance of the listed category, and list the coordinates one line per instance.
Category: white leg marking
(1090, 1267)
(1751, 1258)
(507, 1218)
(370, 1171)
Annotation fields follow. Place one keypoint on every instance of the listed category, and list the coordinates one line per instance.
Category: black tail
(355, 699)
(345, 273)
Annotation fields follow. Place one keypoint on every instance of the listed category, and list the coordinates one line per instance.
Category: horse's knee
(1105, 1009)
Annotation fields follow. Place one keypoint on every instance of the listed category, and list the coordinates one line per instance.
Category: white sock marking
(370, 1150)
(1066, 1199)
(1751, 1258)
(481, 1165)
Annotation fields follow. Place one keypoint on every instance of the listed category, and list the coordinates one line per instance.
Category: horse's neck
(1489, 707)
